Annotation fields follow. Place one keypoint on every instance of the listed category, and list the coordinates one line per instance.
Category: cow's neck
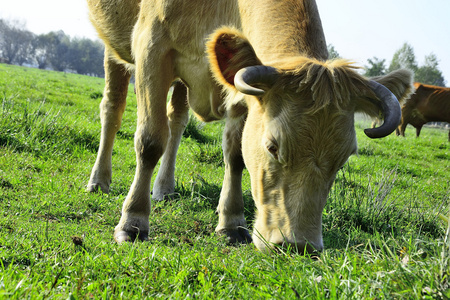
(278, 29)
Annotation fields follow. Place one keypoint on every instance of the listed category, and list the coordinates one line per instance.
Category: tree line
(58, 51)
(53, 50)
(404, 58)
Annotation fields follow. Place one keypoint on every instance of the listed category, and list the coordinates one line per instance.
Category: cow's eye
(272, 148)
(274, 151)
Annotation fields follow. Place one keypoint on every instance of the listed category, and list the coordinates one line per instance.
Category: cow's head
(299, 131)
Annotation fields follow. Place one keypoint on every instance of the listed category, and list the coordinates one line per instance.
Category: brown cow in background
(428, 104)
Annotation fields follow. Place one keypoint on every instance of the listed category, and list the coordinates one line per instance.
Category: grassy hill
(382, 236)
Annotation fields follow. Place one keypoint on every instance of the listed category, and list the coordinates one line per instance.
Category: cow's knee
(150, 147)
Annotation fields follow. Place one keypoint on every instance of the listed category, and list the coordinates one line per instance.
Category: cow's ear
(399, 82)
(228, 52)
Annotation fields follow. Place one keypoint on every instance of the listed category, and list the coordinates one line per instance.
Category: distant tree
(25, 47)
(332, 53)
(404, 58)
(376, 67)
(86, 56)
(54, 50)
(45, 49)
(16, 43)
(429, 73)
(59, 59)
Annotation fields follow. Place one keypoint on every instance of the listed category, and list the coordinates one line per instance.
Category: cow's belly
(205, 97)
(436, 114)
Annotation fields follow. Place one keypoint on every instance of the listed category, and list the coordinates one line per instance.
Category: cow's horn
(245, 77)
(391, 110)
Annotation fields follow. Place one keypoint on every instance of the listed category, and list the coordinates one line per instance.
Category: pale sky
(358, 29)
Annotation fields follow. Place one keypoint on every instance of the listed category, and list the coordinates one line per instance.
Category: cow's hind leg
(418, 129)
(111, 110)
(178, 114)
(231, 205)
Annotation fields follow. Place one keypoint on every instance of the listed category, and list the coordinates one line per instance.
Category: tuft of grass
(96, 95)
(42, 131)
(375, 209)
(210, 154)
(194, 130)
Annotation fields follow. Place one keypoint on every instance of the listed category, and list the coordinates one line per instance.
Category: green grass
(382, 236)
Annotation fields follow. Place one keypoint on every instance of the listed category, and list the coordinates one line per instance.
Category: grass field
(382, 234)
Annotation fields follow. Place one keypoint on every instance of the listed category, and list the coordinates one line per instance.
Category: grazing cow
(262, 66)
(428, 104)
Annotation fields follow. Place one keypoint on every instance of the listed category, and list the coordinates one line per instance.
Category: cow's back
(433, 102)
(187, 24)
(114, 21)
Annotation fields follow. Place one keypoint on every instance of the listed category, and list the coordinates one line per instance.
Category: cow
(429, 103)
(260, 65)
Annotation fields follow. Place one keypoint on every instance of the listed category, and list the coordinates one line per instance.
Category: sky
(358, 29)
(362, 29)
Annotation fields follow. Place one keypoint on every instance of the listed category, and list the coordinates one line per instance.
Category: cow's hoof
(161, 195)
(236, 236)
(121, 236)
(97, 187)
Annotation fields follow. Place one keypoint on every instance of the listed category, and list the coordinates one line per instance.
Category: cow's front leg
(402, 127)
(154, 74)
(111, 110)
(231, 204)
(178, 114)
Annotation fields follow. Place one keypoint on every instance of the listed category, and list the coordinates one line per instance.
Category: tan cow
(262, 66)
